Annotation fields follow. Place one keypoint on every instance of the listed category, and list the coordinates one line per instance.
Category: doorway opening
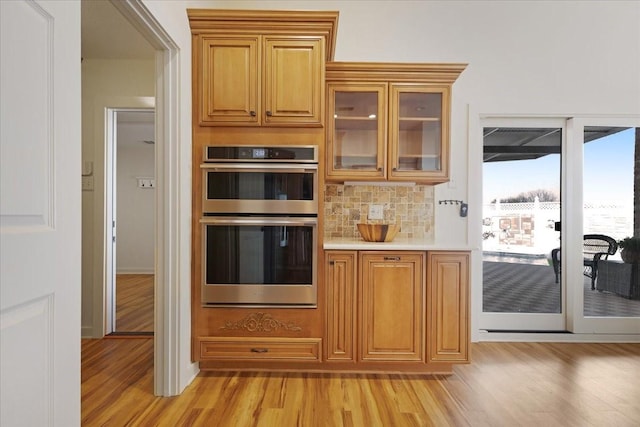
(130, 215)
(171, 372)
(551, 187)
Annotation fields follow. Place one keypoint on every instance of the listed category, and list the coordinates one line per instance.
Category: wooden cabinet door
(391, 288)
(419, 133)
(293, 81)
(448, 306)
(356, 131)
(340, 276)
(229, 81)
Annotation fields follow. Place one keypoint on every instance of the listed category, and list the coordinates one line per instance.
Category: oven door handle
(259, 221)
(258, 168)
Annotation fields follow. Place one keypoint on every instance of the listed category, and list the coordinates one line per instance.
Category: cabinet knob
(392, 258)
(252, 113)
(395, 169)
(269, 113)
(379, 169)
(332, 262)
(259, 350)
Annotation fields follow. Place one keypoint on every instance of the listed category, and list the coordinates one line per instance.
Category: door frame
(172, 370)
(578, 328)
(143, 104)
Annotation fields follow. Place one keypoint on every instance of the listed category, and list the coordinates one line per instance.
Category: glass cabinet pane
(355, 133)
(419, 136)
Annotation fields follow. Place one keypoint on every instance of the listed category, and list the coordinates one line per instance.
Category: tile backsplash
(410, 206)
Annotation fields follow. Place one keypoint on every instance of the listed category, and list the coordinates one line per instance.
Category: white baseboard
(134, 271)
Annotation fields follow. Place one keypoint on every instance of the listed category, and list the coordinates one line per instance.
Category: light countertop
(398, 244)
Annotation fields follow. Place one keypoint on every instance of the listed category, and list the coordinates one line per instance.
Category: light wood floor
(507, 384)
(134, 302)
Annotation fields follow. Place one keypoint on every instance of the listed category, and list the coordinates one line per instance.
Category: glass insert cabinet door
(418, 131)
(357, 131)
(393, 131)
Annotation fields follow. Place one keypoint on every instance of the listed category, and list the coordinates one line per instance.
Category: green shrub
(630, 244)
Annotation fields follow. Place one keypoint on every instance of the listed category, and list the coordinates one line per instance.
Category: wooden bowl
(378, 232)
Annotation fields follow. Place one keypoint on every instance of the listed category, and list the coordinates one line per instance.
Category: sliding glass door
(607, 298)
(558, 196)
(521, 217)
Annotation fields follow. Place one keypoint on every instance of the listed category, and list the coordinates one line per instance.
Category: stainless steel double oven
(259, 226)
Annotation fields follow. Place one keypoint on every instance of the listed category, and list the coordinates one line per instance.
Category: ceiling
(135, 128)
(503, 144)
(106, 34)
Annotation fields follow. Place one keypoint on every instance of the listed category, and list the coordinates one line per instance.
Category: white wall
(105, 83)
(135, 217)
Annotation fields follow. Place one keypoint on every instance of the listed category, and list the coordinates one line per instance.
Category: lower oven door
(259, 261)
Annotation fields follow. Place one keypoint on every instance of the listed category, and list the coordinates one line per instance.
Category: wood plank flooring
(134, 302)
(507, 384)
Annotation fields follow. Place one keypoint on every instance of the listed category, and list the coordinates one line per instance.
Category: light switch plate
(87, 183)
(376, 212)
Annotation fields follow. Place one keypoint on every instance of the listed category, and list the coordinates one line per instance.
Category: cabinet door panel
(392, 294)
(340, 274)
(293, 81)
(230, 81)
(448, 295)
(356, 136)
(419, 132)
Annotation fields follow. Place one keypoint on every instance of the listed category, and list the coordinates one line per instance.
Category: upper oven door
(255, 188)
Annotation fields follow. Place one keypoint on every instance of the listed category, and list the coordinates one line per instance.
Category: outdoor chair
(595, 247)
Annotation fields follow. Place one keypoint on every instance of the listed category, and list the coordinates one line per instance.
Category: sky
(608, 168)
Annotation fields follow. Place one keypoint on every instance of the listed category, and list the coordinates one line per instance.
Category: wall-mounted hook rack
(452, 202)
(464, 207)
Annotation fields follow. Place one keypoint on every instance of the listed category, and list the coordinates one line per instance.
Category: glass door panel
(611, 286)
(356, 130)
(419, 138)
(521, 289)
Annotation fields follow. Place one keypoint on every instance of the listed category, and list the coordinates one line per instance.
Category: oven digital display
(259, 153)
(292, 153)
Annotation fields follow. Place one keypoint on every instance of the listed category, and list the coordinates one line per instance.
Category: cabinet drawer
(289, 349)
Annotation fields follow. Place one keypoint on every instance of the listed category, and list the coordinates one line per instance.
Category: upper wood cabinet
(260, 68)
(389, 121)
(239, 88)
(356, 131)
(229, 78)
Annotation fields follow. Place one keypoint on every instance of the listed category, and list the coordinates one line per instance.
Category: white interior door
(111, 220)
(40, 213)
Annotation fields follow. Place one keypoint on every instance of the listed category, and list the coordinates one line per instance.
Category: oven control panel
(246, 153)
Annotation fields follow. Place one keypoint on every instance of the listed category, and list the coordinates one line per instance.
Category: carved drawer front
(289, 349)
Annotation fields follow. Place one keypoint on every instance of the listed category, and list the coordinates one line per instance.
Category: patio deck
(529, 288)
